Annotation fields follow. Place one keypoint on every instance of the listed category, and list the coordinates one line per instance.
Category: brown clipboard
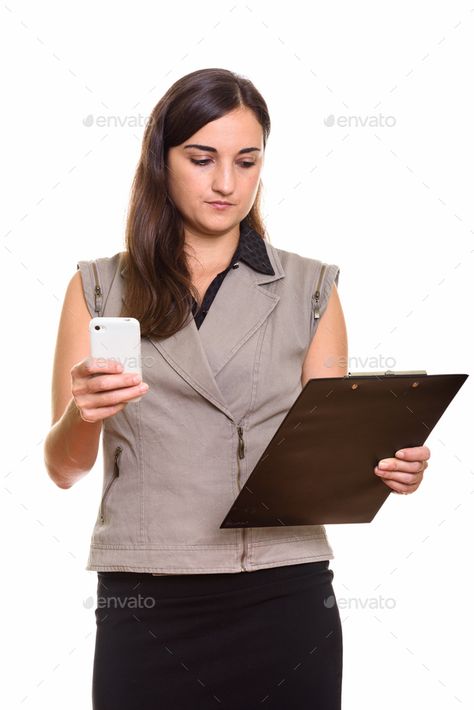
(318, 466)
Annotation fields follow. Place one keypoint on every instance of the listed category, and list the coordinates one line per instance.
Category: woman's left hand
(404, 473)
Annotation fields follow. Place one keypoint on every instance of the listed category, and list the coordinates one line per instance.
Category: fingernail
(400, 453)
(383, 464)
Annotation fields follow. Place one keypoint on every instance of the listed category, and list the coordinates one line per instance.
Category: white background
(390, 203)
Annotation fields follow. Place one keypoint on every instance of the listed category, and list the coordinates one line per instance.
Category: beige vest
(175, 461)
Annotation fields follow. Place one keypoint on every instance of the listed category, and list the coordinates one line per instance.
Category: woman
(230, 335)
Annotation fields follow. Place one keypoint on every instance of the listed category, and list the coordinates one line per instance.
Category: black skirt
(265, 639)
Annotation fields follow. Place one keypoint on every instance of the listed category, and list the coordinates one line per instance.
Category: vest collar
(240, 307)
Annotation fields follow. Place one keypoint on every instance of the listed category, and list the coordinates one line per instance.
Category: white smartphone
(119, 339)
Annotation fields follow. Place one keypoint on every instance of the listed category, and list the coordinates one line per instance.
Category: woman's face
(226, 166)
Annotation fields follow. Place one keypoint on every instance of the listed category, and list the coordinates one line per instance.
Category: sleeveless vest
(174, 462)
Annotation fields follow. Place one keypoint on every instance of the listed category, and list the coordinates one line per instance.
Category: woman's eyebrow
(214, 150)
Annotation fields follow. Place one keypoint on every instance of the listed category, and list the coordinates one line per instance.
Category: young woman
(190, 615)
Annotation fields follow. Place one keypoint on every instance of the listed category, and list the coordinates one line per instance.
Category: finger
(414, 453)
(93, 365)
(110, 398)
(94, 415)
(117, 396)
(401, 487)
(404, 466)
(402, 478)
(106, 365)
(112, 382)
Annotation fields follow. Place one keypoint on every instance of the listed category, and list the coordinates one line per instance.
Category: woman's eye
(205, 161)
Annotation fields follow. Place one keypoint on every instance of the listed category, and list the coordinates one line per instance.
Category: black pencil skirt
(265, 639)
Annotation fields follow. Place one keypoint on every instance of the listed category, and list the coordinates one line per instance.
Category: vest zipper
(317, 293)
(240, 455)
(97, 290)
(115, 475)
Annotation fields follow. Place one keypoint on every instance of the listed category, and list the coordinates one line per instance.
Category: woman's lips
(219, 205)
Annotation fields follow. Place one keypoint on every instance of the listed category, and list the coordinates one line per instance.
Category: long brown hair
(157, 284)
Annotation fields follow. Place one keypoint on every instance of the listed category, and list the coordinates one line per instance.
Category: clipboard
(318, 466)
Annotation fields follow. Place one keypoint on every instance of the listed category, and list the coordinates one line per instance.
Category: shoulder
(297, 263)
(97, 277)
(287, 256)
(103, 267)
(104, 261)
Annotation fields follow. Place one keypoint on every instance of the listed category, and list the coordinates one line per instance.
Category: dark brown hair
(157, 284)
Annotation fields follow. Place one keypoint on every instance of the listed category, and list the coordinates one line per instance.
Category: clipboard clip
(386, 373)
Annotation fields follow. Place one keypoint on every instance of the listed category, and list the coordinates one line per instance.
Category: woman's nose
(223, 179)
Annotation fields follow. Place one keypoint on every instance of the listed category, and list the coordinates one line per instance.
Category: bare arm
(327, 355)
(71, 445)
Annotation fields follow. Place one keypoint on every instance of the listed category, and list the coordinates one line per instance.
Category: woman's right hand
(100, 388)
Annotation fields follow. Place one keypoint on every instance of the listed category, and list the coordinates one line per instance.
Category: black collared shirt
(250, 249)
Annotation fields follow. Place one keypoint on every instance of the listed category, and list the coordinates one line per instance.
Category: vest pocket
(115, 475)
